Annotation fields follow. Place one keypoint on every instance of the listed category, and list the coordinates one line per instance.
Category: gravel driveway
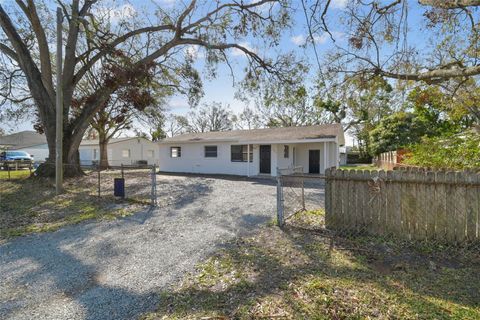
(115, 269)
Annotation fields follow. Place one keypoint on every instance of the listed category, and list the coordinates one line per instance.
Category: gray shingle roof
(22, 139)
(301, 134)
(94, 142)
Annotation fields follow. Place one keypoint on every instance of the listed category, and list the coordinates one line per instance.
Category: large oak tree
(93, 32)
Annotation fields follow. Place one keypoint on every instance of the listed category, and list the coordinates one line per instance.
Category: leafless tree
(378, 35)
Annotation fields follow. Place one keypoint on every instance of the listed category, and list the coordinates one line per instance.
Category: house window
(239, 153)
(95, 154)
(126, 153)
(286, 152)
(110, 154)
(150, 153)
(210, 151)
(175, 152)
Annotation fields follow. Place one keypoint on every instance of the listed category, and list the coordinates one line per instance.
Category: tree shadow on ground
(50, 280)
(303, 274)
(31, 205)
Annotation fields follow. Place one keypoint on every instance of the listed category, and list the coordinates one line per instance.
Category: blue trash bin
(119, 187)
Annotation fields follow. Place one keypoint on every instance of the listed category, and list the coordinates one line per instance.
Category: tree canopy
(135, 44)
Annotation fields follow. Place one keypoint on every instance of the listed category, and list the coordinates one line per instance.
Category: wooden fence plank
(411, 203)
(339, 202)
(416, 203)
(394, 203)
(409, 199)
(352, 213)
(382, 198)
(328, 197)
(363, 200)
(373, 201)
(404, 202)
(367, 209)
(430, 203)
(471, 207)
(440, 206)
(450, 206)
(460, 207)
(353, 186)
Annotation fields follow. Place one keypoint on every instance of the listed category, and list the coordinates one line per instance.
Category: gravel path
(115, 269)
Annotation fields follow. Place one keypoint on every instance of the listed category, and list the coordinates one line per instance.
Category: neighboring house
(253, 152)
(31, 142)
(120, 151)
(348, 155)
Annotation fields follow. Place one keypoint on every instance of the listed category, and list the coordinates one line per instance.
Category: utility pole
(59, 109)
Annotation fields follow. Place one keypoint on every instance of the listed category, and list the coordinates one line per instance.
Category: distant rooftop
(23, 139)
(294, 134)
(95, 142)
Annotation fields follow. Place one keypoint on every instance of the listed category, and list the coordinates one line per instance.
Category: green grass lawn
(299, 274)
(359, 166)
(29, 205)
(14, 174)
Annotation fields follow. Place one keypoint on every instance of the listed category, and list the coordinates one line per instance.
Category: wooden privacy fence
(412, 204)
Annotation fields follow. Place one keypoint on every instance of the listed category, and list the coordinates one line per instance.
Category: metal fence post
(98, 173)
(303, 193)
(154, 187)
(280, 221)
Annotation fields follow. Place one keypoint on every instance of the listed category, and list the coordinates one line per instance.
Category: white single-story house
(120, 151)
(30, 142)
(253, 152)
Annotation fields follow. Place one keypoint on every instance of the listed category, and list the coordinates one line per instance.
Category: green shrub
(461, 151)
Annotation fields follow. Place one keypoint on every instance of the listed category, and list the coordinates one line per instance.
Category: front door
(265, 159)
(314, 161)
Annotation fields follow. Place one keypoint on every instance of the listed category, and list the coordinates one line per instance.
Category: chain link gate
(139, 182)
(298, 192)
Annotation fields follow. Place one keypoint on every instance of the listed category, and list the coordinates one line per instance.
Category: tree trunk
(103, 143)
(71, 156)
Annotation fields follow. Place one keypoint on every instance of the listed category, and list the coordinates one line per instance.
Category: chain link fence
(298, 193)
(136, 183)
(133, 182)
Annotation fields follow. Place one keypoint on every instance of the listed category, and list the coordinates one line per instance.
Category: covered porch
(313, 156)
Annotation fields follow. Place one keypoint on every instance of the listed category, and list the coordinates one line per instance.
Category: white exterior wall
(334, 155)
(39, 152)
(193, 159)
(139, 150)
(282, 162)
(302, 153)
